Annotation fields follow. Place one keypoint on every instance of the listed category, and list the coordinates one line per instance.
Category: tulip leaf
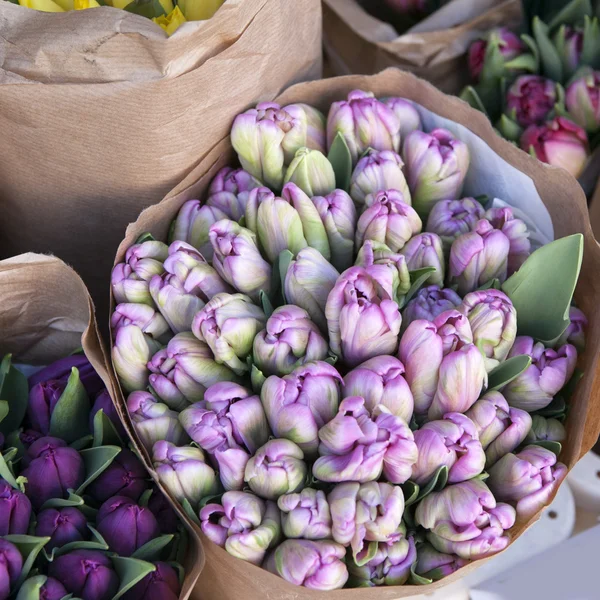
(491, 284)
(96, 461)
(6, 472)
(437, 482)
(105, 433)
(257, 378)
(151, 550)
(146, 8)
(189, 511)
(533, 49)
(411, 492)
(14, 391)
(13, 441)
(147, 236)
(130, 571)
(215, 499)
(416, 579)
(5, 366)
(96, 543)
(555, 410)
(417, 280)
(571, 14)
(569, 388)
(29, 546)
(471, 97)
(3, 409)
(554, 447)
(69, 420)
(505, 372)
(549, 56)
(265, 303)
(369, 555)
(30, 589)
(145, 498)
(482, 476)
(331, 359)
(509, 129)
(590, 54)
(81, 443)
(72, 501)
(284, 260)
(341, 160)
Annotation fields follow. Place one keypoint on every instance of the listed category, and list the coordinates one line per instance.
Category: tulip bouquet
(345, 371)
(78, 515)
(543, 90)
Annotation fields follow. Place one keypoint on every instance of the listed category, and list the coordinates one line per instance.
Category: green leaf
(14, 390)
(491, 284)
(482, 476)
(145, 497)
(533, 49)
(417, 280)
(257, 378)
(96, 461)
(542, 289)
(505, 372)
(13, 441)
(283, 264)
(29, 546)
(437, 482)
(130, 571)
(590, 54)
(369, 555)
(82, 443)
(411, 492)
(6, 472)
(5, 366)
(72, 501)
(105, 433)
(555, 410)
(471, 97)
(96, 543)
(569, 388)
(554, 447)
(416, 579)
(509, 129)
(3, 409)
(265, 303)
(189, 511)
(151, 550)
(69, 421)
(572, 14)
(549, 56)
(341, 160)
(147, 236)
(30, 590)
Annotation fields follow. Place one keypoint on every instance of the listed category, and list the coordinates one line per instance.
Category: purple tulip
(501, 428)
(531, 99)
(364, 122)
(289, 340)
(43, 399)
(61, 369)
(299, 404)
(436, 565)
(517, 233)
(549, 371)
(154, 421)
(104, 403)
(478, 257)
(583, 101)
(88, 574)
(437, 164)
(162, 584)
(453, 442)
(528, 479)
(305, 515)
(380, 380)
(358, 446)
(183, 371)
(575, 333)
(145, 317)
(545, 430)
(15, 510)
(126, 526)
(11, 564)
(364, 514)
(125, 476)
(51, 469)
(363, 318)
(451, 218)
(243, 524)
(42, 587)
(338, 214)
(464, 519)
(276, 469)
(407, 114)
(430, 302)
(62, 526)
(317, 565)
(454, 330)
(28, 436)
(377, 172)
(229, 191)
(425, 250)
(167, 518)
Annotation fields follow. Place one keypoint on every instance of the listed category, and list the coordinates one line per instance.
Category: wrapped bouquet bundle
(428, 38)
(114, 94)
(348, 361)
(79, 515)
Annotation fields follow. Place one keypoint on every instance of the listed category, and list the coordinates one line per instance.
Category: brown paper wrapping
(356, 42)
(101, 114)
(46, 314)
(225, 577)
(595, 212)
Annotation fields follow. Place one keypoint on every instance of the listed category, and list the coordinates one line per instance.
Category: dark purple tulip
(53, 590)
(61, 369)
(15, 510)
(162, 584)
(11, 563)
(29, 436)
(51, 469)
(43, 398)
(165, 515)
(62, 526)
(87, 574)
(126, 476)
(104, 402)
(126, 526)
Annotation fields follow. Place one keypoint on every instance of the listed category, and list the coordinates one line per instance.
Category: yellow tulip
(199, 10)
(83, 4)
(167, 5)
(65, 4)
(43, 5)
(120, 3)
(171, 22)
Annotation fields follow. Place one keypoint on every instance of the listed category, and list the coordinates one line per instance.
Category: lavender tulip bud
(363, 318)
(267, 137)
(451, 218)
(162, 584)
(154, 421)
(42, 587)
(453, 442)
(146, 318)
(305, 515)
(184, 472)
(575, 333)
(51, 469)
(501, 428)
(104, 403)
(378, 172)
(243, 524)
(528, 479)
(493, 320)
(192, 224)
(276, 469)
(338, 214)
(298, 404)
(407, 114)
(43, 399)
(430, 302)
(454, 330)
(15, 510)
(238, 260)
(308, 282)
(11, 565)
(62, 526)
(229, 190)
(478, 257)
(462, 376)
(582, 100)
(228, 324)
(517, 233)
(365, 513)
(183, 371)
(61, 370)
(542, 380)
(545, 430)
(316, 565)
(380, 380)
(290, 339)
(464, 519)
(436, 565)
(364, 122)
(87, 574)
(437, 164)
(425, 250)
(311, 172)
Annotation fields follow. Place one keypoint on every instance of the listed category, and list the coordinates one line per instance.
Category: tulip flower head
(305, 515)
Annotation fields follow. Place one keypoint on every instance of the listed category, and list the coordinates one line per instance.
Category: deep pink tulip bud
(509, 45)
(530, 99)
(451, 218)
(517, 233)
(407, 114)
(528, 479)
(549, 371)
(464, 519)
(62, 526)
(15, 510)
(11, 565)
(426, 250)
(305, 515)
(162, 584)
(575, 333)
(436, 565)
(583, 101)
(229, 190)
(430, 302)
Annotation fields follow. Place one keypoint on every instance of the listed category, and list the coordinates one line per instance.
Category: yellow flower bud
(83, 4)
(199, 10)
(43, 5)
(120, 3)
(168, 6)
(65, 4)
(171, 22)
